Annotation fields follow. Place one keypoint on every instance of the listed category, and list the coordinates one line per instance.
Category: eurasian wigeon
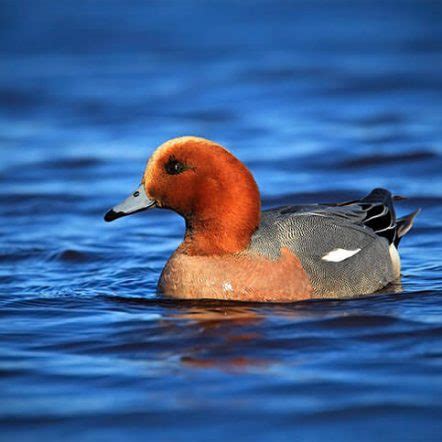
(233, 251)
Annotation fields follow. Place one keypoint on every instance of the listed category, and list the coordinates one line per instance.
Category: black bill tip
(112, 215)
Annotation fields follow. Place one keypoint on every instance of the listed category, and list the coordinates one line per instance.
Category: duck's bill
(135, 203)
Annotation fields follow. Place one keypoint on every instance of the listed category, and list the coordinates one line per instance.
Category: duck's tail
(403, 225)
(381, 215)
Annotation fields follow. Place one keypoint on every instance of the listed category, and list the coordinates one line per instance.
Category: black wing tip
(378, 195)
(399, 198)
(381, 193)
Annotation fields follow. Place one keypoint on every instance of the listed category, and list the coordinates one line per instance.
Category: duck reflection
(247, 337)
(233, 337)
(226, 336)
(237, 337)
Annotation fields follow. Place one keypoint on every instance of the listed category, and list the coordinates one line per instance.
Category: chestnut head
(203, 182)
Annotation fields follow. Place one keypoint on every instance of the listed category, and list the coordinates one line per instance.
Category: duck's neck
(225, 227)
(209, 238)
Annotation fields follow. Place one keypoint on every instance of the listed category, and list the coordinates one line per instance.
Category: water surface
(323, 101)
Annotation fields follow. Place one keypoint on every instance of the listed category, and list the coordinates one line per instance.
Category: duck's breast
(239, 277)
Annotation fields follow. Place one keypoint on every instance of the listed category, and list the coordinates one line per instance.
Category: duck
(233, 250)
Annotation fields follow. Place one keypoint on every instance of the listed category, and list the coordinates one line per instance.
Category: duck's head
(208, 186)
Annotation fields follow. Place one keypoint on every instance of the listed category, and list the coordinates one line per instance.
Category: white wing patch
(338, 255)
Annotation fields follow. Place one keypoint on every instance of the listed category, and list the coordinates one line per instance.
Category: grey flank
(313, 231)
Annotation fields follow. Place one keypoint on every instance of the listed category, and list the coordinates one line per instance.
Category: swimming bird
(234, 251)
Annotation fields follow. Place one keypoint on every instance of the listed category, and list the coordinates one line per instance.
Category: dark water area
(323, 101)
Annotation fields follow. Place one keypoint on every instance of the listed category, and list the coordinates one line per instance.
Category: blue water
(323, 101)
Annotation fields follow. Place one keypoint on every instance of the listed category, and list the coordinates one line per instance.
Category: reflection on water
(323, 101)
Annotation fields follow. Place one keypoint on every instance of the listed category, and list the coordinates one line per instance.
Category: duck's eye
(174, 167)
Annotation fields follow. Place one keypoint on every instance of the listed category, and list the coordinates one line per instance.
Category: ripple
(75, 256)
(362, 321)
(383, 160)
(323, 102)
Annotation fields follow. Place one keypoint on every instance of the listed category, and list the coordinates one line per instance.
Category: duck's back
(346, 249)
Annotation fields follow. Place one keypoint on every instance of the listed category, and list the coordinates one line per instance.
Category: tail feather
(381, 215)
(404, 224)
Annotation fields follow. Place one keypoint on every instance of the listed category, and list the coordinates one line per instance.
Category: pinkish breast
(237, 277)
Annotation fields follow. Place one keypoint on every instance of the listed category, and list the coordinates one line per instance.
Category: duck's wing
(375, 211)
(344, 247)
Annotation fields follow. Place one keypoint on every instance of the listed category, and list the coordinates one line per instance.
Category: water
(323, 101)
